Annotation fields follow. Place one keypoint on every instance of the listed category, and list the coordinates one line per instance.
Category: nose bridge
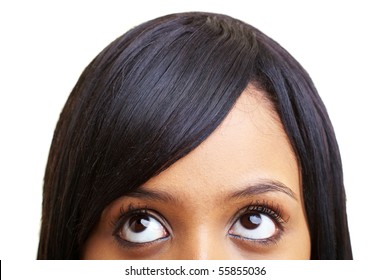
(203, 244)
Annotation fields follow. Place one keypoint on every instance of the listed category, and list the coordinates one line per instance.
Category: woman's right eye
(142, 228)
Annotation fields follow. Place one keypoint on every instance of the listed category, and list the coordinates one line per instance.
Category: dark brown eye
(250, 220)
(142, 228)
(253, 225)
(139, 223)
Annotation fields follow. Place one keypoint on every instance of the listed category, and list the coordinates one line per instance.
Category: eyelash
(275, 212)
(125, 214)
(264, 207)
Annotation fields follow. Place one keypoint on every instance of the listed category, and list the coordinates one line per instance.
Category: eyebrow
(258, 188)
(152, 195)
(262, 187)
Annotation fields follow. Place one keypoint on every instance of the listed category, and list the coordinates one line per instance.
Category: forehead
(249, 145)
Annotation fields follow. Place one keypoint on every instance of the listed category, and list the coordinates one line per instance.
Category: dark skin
(236, 196)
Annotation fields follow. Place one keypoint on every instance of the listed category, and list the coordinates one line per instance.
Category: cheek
(98, 247)
(298, 244)
(304, 240)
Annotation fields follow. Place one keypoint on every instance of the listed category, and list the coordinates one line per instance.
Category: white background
(45, 45)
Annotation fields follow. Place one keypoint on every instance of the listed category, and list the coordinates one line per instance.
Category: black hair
(157, 92)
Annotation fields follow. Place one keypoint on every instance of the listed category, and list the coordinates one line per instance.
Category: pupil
(139, 223)
(250, 220)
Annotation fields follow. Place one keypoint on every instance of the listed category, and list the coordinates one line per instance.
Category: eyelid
(275, 212)
(270, 208)
(266, 208)
(273, 240)
(131, 211)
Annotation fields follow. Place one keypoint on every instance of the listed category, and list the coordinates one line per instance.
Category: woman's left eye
(254, 226)
(142, 228)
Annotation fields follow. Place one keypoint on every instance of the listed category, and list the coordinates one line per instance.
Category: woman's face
(236, 196)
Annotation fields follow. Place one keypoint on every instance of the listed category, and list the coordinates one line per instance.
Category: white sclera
(153, 230)
(266, 228)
